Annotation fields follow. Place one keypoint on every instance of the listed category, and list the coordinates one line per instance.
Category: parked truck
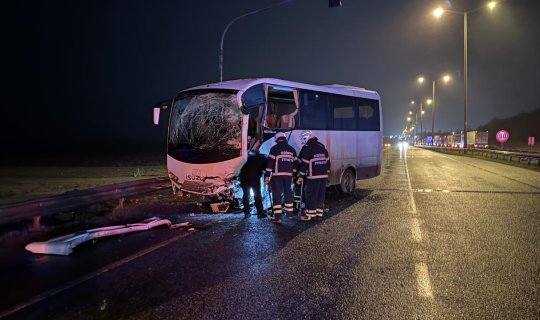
(457, 140)
(477, 139)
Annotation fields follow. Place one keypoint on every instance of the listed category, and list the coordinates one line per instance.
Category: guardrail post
(36, 223)
(120, 203)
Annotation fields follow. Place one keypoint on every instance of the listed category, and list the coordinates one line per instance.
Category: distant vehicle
(458, 140)
(449, 140)
(477, 139)
(212, 128)
(437, 141)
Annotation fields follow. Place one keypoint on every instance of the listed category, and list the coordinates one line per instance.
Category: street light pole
(331, 4)
(421, 129)
(416, 125)
(233, 21)
(465, 79)
(438, 12)
(433, 111)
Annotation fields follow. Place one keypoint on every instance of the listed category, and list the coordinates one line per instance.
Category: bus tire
(347, 183)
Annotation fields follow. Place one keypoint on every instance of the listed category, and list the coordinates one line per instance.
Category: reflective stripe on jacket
(314, 160)
(281, 159)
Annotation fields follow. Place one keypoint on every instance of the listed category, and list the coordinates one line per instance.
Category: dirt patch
(20, 183)
(163, 204)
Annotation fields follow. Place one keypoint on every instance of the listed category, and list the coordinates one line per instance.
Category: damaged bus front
(204, 143)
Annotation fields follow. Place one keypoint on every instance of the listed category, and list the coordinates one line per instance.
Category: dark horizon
(89, 73)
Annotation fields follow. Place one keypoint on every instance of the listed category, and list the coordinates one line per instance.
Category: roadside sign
(531, 141)
(502, 136)
(429, 140)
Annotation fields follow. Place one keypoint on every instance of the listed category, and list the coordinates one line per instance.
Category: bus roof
(244, 84)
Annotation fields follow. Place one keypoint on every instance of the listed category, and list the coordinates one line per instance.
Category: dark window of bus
(344, 117)
(281, 110)
(368, 115)
(314, 110)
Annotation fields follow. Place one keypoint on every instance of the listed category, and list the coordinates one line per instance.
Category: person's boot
(277, 218)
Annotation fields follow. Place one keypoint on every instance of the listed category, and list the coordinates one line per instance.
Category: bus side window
(368, 115)
(314, 111)
(282, 107)
(293, 116)
(254, 125)
(289, 118)
(343, 113)
(271, 118)
(287, 121)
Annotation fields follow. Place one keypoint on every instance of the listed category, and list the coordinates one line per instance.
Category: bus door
(253, 104)
(281, 114)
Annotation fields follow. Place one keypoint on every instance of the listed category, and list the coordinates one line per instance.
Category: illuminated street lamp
(438, 13)
(421, 112)
(445, 79)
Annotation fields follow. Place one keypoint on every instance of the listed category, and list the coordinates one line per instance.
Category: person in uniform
(280, 171)
(313, 171)
(250, 179)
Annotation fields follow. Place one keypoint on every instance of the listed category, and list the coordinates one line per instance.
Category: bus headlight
(173, 177)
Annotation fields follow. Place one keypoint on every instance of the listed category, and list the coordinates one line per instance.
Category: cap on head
(279, 135)
(306, 135)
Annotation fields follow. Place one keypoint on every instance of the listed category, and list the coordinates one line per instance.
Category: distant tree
(520, 127)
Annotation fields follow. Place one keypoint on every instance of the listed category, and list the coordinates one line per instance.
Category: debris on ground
(64, 245)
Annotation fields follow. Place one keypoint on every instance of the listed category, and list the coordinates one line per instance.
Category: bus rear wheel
(347, 183)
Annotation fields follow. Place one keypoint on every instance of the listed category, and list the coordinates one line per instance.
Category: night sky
(89, 72)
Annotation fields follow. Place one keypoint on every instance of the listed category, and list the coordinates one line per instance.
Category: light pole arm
(233, 21)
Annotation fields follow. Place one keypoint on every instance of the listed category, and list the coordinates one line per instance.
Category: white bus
(213, 127)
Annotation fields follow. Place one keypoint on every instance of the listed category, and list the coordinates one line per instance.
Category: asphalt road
(434, 237)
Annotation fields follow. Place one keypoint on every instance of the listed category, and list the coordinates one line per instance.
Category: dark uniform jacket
(253, 168)
(281, 159)
(314, 160)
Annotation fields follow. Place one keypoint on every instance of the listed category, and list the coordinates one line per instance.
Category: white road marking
(415, 230)
(411, 196)
(422, 280)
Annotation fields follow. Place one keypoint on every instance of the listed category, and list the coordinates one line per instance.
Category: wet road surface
(434, 237)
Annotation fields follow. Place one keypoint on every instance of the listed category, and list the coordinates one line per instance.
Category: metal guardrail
(529, 159)
(78, 198)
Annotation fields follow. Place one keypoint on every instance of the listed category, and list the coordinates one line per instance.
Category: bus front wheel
(347, 183)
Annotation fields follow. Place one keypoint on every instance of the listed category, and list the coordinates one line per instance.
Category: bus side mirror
(157, 109)
(156, 115)
(253, 97)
